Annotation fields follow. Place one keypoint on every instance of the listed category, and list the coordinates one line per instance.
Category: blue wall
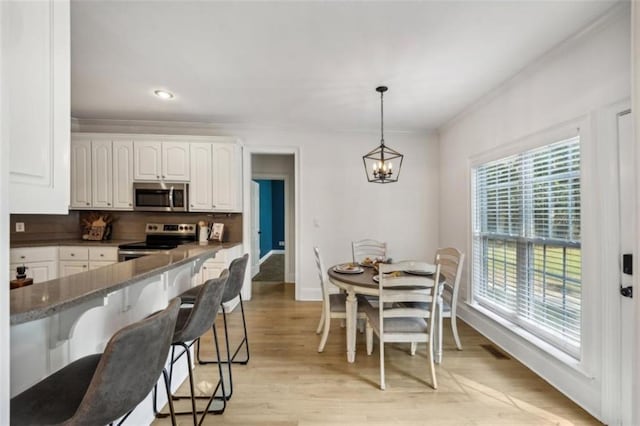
(271, 215)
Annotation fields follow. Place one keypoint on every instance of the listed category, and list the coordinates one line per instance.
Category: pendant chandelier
(382, 165)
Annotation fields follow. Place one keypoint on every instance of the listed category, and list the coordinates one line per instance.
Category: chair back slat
(368, 248)
(397, 290)
(451, 261)
(323, 277)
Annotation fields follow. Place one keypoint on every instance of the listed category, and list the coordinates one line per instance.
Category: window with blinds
(526, 241)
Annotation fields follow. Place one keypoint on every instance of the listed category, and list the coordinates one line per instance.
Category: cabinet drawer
(74, 253)
(103, 253)
(33, 254)
(95, 264)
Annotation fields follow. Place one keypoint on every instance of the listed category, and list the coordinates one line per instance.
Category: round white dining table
(363, 283)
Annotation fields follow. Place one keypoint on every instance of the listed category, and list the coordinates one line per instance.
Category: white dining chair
(393, 321)
(368, 248)
(333, 305)
(451, 261)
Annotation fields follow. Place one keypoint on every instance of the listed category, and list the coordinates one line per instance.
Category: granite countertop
(50, 297)
(73, 242)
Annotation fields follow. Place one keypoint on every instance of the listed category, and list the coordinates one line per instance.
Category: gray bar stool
(99, 389)
(237, 270)
(192, 323)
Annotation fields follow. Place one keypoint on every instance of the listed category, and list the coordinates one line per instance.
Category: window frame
(549, 137)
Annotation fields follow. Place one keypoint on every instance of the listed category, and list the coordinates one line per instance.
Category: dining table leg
(352, 321)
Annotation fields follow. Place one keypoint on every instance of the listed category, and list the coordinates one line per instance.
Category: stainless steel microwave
(160, 196)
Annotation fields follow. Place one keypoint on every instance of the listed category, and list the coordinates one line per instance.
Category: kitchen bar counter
(42, 300)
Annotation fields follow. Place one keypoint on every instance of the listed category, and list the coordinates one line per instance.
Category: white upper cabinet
(227, 177)
(36, 89)
(123, 174)
(175, 161)
(156, 160)
(147, 160)
(101, 174)
(105, 165)
(200, 188)
(81, 173)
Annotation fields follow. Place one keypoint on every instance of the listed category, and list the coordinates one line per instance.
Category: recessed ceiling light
(163, 94)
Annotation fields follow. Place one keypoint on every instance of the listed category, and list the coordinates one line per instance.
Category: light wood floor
(287, 382)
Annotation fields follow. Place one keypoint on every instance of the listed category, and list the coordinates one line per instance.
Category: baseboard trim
(268, 255)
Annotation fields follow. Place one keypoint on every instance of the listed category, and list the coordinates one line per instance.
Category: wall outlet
(281, 243)
(19, 226)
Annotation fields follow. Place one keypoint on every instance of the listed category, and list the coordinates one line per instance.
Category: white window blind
(526, 241)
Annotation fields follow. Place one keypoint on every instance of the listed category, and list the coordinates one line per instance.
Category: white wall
(334, 192)
(578, 78)
(274, 165)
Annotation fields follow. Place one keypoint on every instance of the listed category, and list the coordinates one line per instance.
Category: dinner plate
(421, 273)
(348, 268)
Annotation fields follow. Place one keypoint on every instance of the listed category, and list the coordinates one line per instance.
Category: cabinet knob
(84, 266)
(101, 254)
(88, 204)
(163, 176)
(108, 204)
(204, 267)
(213, 205)
(72, 254)
(191, 205)
(157, 177)
(130, 204)
(21, 257)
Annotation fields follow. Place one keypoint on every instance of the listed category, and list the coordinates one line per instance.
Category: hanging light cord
(382, 118)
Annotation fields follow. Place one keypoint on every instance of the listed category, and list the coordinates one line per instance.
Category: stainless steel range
(160, 237)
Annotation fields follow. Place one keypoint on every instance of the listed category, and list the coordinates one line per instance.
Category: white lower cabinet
(41, 262)
(212, 268)
(71, 267)
(77, 259)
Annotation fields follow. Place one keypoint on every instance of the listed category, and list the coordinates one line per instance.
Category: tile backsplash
(126, 225)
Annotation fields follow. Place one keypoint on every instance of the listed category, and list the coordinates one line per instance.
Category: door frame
(247, 176)
(606, 124)
(287, 205)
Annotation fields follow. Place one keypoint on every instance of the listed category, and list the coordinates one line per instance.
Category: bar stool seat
(101, 388)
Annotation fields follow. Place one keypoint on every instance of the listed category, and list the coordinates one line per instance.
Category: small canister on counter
(21, 278)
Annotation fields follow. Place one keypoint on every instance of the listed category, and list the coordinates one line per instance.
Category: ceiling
(306, 64)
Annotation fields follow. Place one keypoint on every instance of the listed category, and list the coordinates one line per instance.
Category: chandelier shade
(382, 164)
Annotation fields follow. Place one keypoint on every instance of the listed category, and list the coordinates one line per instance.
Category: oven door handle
(171, 206)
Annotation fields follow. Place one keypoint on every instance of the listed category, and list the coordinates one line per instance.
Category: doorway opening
(270, 229)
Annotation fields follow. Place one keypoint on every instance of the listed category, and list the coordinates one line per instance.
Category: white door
(101, 174)
(627, 237)
(81, 173)
(123, 175)
(255, 228)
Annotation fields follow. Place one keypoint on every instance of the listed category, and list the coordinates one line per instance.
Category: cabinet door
(101, 174)
(71, 267)
(211, 270)
(175, 161)
(80, 173)
(123, 175)
(39, 271)
(35, 118)
(95, 264)
(227, 177)
(200, 188)
(147, 158)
